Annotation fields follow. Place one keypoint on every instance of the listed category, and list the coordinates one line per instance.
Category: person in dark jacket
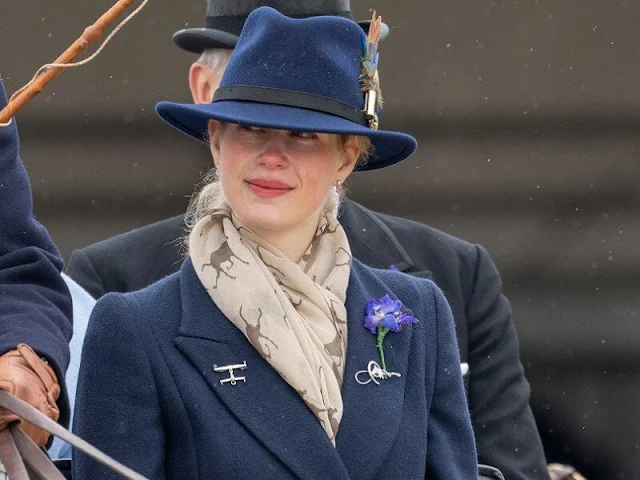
(497, 391)
(273, 354)
(35, 305)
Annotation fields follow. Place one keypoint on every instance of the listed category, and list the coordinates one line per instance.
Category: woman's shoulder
(140, 308)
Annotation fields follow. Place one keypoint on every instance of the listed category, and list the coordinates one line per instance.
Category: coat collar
(266, 399)
(373, 242)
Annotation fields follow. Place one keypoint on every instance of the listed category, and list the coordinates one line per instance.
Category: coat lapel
(372, 412)
(265, 404)
(378, 247)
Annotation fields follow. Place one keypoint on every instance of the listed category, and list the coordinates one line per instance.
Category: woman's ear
(215, 132)
(348, 158)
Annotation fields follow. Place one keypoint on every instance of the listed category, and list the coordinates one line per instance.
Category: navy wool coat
(35, 305)
(497, 390)
(148, 394)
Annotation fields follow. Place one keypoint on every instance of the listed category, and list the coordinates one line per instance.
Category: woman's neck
(293, 242)
(293, 247)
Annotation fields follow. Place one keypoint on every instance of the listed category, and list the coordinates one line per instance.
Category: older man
(497, 390)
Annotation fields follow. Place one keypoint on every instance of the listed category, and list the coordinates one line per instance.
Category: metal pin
(375, 373)
(229, 369)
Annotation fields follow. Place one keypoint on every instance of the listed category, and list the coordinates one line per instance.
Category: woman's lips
(267, 188)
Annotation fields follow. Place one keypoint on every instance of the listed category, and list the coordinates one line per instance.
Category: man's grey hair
(215, 59)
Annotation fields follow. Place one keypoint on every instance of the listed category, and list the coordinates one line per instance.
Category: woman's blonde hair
(209, 195)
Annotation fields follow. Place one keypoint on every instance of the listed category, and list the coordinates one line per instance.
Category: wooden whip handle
(90, 35)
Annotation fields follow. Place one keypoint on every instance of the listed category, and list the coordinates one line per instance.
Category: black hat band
(290, 8)
(291, 98)
(233, 23)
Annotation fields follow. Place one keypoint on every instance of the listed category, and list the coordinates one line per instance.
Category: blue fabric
(35, 305)
(83, 304)
(320, 56)
(498, 392)
(148, 394)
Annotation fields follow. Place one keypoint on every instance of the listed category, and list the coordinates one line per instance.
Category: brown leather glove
(28, 377)
(563, 472)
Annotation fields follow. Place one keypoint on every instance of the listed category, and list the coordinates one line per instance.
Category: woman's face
(277, 181)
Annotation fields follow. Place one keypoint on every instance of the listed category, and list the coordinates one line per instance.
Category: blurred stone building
(527, 113)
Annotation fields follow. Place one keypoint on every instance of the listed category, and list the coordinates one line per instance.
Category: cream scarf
(292, 314)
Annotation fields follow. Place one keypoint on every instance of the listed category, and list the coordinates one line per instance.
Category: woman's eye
(250, 128)
(303, 134)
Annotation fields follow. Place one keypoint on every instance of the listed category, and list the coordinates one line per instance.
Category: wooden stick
(90, 34)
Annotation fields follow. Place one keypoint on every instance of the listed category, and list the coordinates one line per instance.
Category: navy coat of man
(35, 305)
(497, 391)
(149, 396)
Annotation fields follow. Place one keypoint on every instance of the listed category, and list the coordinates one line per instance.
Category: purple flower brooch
(383, 316)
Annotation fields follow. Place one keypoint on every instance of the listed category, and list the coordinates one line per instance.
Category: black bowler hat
(225, 19)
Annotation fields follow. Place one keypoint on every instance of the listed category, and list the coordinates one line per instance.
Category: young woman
(273, 354)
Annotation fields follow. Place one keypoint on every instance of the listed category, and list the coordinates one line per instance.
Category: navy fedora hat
(225, 19)
(294, 74)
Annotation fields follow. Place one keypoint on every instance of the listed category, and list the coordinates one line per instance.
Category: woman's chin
(270, 219)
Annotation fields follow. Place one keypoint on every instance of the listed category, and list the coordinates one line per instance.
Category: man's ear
(202, 83)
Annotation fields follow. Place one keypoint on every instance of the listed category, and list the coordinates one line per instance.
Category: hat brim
(196, 40)
(192, 119)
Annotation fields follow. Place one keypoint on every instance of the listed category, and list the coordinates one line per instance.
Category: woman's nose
(274, 151)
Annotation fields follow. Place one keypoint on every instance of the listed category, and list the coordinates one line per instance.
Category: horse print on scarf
(292, 313)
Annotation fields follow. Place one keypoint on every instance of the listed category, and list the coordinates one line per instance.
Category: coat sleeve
(506, 433)
(81, 269)
(117, 407)
(35, 305)
(450, 442)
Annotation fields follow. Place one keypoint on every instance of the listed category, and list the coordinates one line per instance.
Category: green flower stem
(382, 332)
